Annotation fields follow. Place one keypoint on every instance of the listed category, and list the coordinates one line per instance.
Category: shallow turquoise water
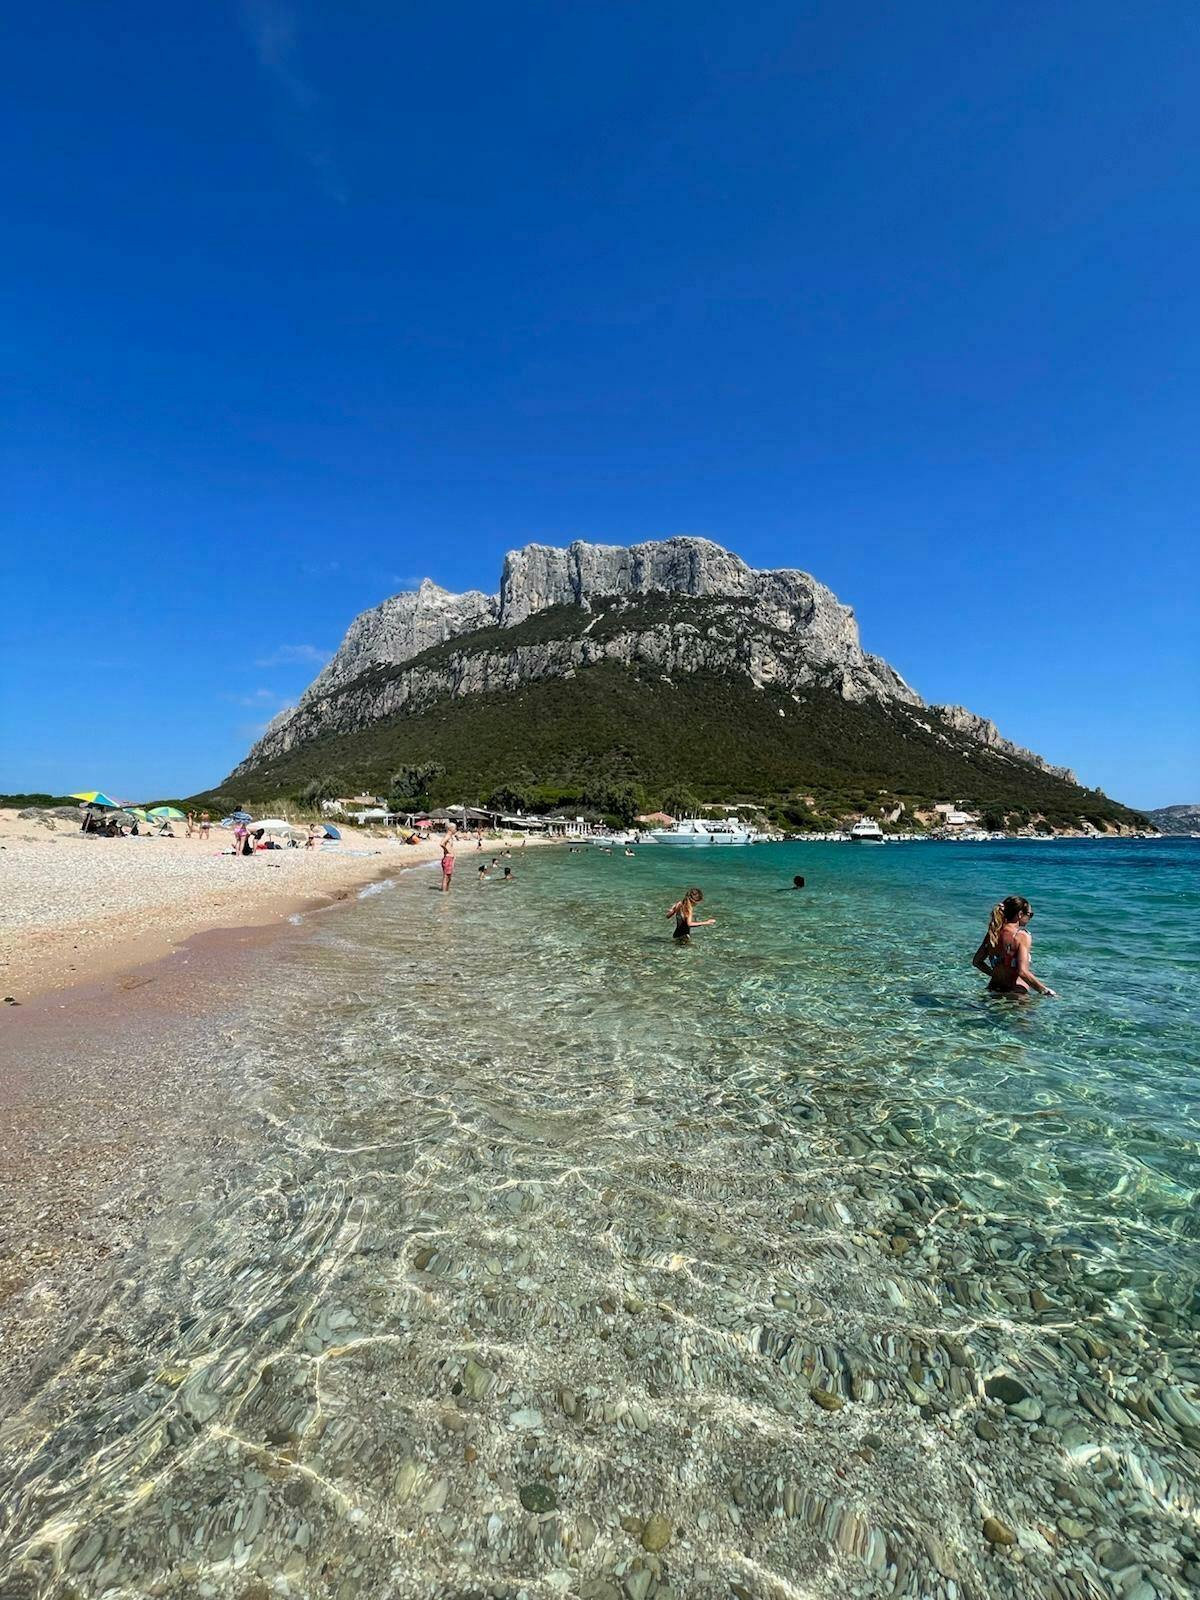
(867, 969)
(541, 1226)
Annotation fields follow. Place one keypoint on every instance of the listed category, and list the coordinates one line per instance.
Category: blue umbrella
(330, 831)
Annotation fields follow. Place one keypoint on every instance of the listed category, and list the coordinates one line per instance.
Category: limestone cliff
(401, 628)
(677, 606)
(986, 732)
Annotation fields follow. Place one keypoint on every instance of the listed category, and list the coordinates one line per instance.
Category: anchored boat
(702, 830)
(866, 831)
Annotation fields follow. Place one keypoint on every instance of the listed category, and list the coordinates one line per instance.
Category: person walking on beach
(191, 823)
(447, 861)
(684, 912)
(1003, 956)
(205, 824)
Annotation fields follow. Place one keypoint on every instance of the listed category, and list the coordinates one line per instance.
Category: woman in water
(684, 912)
(1004, 954)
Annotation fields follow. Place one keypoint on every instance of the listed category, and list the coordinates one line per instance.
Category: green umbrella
(166, 811)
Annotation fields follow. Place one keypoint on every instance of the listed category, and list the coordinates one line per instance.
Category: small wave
(370, 889)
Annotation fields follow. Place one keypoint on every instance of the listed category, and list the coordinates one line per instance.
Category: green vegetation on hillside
(18, 802)
(627, 736)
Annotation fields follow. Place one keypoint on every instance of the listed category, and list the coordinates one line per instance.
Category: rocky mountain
(675, 612)
(1176, 819)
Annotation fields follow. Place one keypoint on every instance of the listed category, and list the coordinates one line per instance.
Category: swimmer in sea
(684, 912)
(1003, 956)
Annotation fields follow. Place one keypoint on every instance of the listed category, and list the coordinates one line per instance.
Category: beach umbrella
(330, 831)
(173, 812)
(273, 824)
(97, 797)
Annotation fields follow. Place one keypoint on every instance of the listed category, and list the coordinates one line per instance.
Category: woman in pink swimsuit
(447, 861)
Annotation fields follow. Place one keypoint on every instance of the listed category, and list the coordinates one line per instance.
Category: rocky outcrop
(1183, 819)
(780, 628)
(540, 575)
(987, 733)
(401, 628)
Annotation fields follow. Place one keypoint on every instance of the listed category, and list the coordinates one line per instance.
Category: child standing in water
(684, 912)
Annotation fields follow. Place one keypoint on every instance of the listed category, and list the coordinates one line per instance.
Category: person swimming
(1003, 954)
(684, 912)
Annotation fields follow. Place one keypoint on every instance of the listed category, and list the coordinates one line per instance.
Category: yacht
(866, 831)
(697, 830)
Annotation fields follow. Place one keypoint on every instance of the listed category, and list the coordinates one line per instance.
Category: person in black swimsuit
(684, 912)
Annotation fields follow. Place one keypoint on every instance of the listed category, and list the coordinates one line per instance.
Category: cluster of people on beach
(149, 827)
(247, 838)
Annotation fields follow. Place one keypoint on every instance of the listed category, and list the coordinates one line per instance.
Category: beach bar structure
(563, 827)
(524, 824)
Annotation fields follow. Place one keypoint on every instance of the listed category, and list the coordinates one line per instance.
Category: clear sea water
(556, 1259)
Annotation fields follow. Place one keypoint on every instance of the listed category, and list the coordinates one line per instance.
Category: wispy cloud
(290, 655)
(408, 580)
(273, 31)
(258, 697)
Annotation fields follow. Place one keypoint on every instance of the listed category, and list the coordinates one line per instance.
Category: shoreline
(90, 1157)
(82, 911)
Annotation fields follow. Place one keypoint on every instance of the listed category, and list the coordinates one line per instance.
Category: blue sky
(304, 302)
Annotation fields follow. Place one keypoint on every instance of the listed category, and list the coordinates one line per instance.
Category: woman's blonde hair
(1006, 910)
(695, 896)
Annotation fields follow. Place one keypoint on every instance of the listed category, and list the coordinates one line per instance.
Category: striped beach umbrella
(97, 797)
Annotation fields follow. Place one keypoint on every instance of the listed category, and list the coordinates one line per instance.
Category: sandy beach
(77, 909)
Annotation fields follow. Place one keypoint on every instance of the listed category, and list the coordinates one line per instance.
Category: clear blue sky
(304, 301)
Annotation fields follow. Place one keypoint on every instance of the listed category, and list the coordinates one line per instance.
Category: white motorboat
(703, 831)
(866, 831)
